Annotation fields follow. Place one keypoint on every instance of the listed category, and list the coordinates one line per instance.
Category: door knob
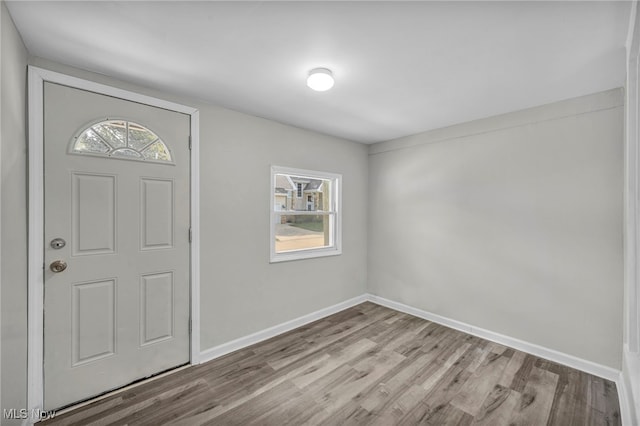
(58, 266)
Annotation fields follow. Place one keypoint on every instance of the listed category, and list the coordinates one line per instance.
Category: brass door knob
(58, 266)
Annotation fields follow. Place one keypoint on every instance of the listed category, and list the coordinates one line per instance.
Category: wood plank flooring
(367, 365)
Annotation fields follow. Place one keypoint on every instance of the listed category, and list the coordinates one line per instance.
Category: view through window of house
(305, 216)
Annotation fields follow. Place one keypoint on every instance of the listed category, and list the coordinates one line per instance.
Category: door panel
(156, 230)
(119, 312)
(156, 307)
(93, 214)
(93, 321)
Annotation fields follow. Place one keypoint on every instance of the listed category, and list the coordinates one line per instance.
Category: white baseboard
(627, 404)
(628, 389)
(242, 342)
(531, 348)
(626, 414)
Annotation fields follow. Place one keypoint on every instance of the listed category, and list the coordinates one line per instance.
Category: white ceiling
(400, 67)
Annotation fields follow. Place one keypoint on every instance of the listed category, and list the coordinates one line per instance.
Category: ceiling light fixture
(320, 79)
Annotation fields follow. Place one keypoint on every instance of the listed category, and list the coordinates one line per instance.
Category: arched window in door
(121, 139)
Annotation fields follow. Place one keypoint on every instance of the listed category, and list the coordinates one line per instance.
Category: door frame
(36, 79)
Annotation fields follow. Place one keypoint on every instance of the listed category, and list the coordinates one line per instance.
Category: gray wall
(14, 226)
(512, 224)
(2, 12)
(241, 292)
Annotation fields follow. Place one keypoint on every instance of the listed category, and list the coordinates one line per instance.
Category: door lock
(58, 243)
(58, 266)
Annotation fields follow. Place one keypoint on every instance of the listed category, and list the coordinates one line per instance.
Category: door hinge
(190, 235)
(189, 142)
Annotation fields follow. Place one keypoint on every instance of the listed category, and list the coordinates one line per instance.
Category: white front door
(117, 216)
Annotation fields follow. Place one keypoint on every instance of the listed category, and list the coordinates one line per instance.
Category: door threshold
(74, 406)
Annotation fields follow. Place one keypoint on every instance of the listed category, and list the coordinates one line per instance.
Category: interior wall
(2, 5)
(512, 224)
(241, 292)
(518, 216)
(13, 262)
(631, 348)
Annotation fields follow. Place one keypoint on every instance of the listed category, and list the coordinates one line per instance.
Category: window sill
(304, 254)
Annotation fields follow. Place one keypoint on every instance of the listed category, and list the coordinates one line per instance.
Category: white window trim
(336, 199)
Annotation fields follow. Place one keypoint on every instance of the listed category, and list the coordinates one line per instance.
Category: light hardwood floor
(367, 365)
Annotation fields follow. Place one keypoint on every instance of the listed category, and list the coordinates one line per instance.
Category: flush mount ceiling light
(320, 79)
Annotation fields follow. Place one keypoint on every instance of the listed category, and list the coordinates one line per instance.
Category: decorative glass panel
(140, 137)
(157, 151)
(125, 152)
(89, 141)
(122, 139)
(113, 133)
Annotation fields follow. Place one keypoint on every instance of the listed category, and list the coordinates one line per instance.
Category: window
(121, 139)
(305, 214)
